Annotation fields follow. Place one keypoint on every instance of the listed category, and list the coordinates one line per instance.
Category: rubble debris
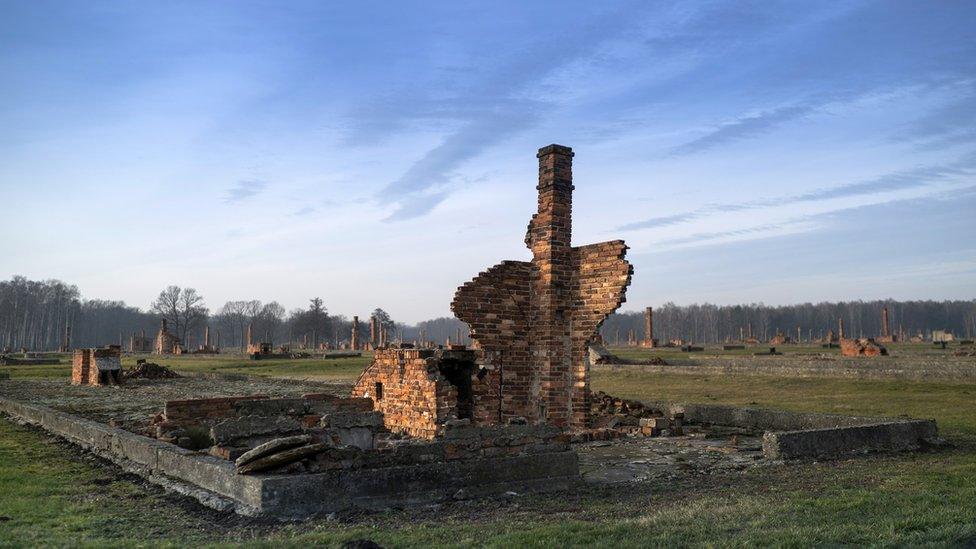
(631, 417)
(272, 447)
(534, 320)
(282, 458)
(861, 347)
(148, 370)
(600, 355)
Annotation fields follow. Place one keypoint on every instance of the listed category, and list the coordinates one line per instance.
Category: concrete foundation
(214, 481)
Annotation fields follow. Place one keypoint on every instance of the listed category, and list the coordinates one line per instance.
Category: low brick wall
(200, 408)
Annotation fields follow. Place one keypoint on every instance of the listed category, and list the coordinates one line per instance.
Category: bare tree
(269, 320)
(241, 314)
(182, 308)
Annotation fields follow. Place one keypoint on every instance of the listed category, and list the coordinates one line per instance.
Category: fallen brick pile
(600, 355)
(630, 417)
(861, 347)
(149, 370)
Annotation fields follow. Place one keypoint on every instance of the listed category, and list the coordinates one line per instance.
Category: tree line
(707, 323)
(36, 315)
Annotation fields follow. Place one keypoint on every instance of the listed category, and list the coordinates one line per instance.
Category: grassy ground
(51, 495)
(319, 368)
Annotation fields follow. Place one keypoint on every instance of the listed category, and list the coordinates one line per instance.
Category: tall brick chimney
(549, 237)
(648, 327)
(355, 333)
(885, 326)
(840, 328)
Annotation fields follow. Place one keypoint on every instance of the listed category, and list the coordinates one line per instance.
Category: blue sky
(381, 153)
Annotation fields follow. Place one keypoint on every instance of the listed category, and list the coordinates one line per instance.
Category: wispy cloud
(423, 186)
(758, 231)
(244, 189)
(504, 111)
(745, 127)
(914, 178)
(951, 124)
(663, 221)
(306, 210)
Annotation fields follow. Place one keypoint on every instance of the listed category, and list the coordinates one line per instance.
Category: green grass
(953, 405)
(319, 368)
(52, 497)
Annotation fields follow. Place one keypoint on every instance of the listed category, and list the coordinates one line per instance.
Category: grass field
(50, 494)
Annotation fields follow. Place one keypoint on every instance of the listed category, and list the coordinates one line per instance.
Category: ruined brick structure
(533, 320)
(354, 338)
(649, 340)
(373, 334)
(418, 390)
(257, 350)
(97, 366)
(166, 343)
(886, 335)
(140, 343)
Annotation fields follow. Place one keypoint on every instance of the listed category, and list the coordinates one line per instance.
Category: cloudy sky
(382, 153)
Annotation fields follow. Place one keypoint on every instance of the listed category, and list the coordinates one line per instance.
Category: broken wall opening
(459, 373)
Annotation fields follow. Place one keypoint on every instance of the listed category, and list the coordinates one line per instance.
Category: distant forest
(708, 323)
(35, 314)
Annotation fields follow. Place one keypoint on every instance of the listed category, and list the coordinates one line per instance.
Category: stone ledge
(301, 495)
(808, 434)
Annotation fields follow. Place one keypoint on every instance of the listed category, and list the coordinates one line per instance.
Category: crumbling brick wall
(533, 320)
(97, 366)
(410, 389)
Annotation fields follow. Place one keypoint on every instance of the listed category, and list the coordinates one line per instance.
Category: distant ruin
(166, 343)
(649, 340)
(97, 366)
(140, 343)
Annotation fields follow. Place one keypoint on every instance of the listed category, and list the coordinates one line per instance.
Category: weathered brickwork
(418, 390)
(533, 320)
(97, 366)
